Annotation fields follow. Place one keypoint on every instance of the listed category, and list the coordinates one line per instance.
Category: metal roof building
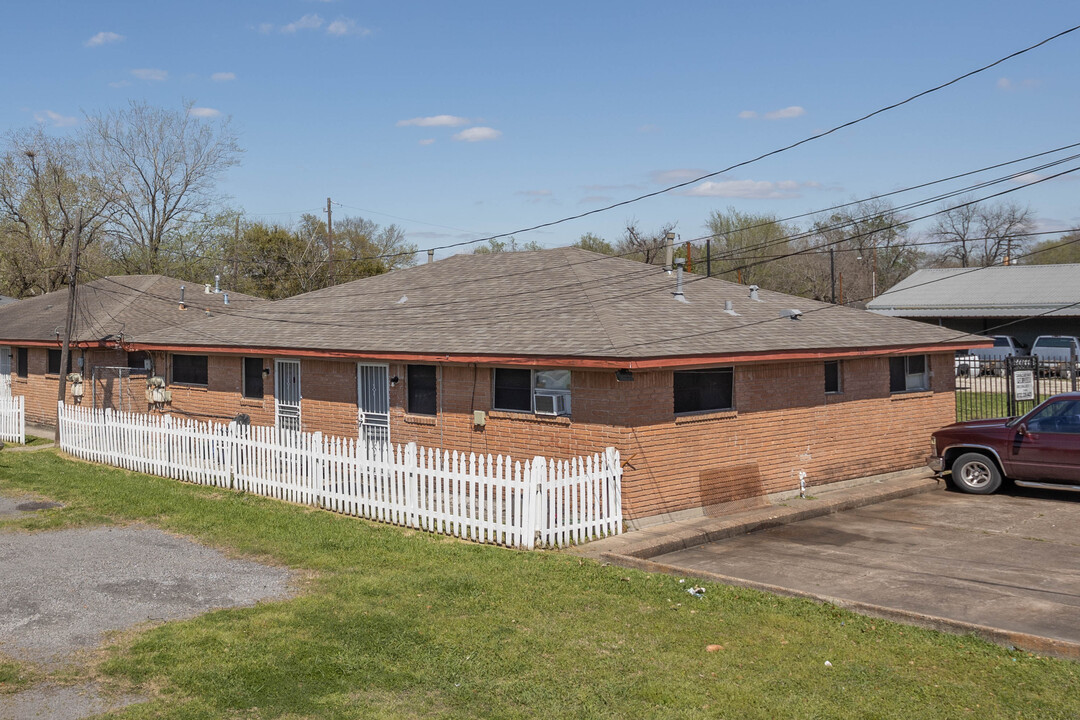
(1020, 300)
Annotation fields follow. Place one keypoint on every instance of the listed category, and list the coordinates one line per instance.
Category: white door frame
(373, 401)
(286, 411)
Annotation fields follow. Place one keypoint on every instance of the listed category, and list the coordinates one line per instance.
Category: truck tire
(975, 473)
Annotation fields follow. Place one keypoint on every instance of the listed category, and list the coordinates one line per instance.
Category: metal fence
(990, 386)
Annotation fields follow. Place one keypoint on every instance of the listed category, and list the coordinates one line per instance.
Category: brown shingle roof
(111, 306)
(564, 302)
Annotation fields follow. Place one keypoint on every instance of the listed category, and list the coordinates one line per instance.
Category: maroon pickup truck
(1039, 449)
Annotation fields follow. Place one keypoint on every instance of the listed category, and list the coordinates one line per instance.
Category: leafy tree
(1065, 249)
(594, 243)
(43, 184)
(749, 245)
(159, 169)
(509, 245)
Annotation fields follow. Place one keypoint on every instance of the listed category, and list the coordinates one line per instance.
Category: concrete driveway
(1010, 561)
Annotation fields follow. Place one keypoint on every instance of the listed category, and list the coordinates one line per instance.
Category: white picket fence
(5, 385)
(488, 499)
(13, 418)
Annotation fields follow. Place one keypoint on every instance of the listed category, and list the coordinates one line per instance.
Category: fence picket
(484, 498)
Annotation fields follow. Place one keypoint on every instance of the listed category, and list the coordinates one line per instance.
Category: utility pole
(65, 352)
(236, 255)
(708, 257)
(330, 240)
(689, 257)
(832, 271)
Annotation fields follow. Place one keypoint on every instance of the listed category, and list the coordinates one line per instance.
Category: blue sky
(459, 119)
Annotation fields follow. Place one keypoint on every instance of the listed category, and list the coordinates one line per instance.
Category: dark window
(908, 373)
(1060, 417)
(137, 360)
(22, 362)
(832, 376)
(513, 390)
(423, 399)
(53, 367)
(189, 369)
(703, 390)
(253, 377)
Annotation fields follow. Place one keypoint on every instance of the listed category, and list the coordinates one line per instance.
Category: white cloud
(478, 134)
(346, 26)
(103, 38)
(1005, 83)
(787, 113)
(434, 121)
(55, 118)
(748, 189)
(1009, 84)
(792, 111)
(427, 141)
(312, 21)
(204, 112)
(151, 74)
(223, 76)
(119, 83)
(678, 175)
(264, 28)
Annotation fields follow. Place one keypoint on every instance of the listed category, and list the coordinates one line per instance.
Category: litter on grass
(696, 591)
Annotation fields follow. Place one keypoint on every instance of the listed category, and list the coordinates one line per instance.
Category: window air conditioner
(551, 403)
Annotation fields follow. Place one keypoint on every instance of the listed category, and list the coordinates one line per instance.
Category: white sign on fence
(488, 499)
(1024, 384)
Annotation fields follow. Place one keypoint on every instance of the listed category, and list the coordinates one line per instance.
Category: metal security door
(373, 401)
(287, 394)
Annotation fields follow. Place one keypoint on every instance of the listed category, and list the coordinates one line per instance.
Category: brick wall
(784, 423)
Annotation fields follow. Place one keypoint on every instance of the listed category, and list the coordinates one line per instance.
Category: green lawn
(391, 623)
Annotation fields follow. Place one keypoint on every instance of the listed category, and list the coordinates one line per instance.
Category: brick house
(720, 394)
(110, 310)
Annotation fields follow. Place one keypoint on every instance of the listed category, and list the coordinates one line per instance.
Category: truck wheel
(975, 473)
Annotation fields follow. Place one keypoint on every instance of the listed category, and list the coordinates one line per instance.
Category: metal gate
(1006, 386)
(373, 402)
(287, 394)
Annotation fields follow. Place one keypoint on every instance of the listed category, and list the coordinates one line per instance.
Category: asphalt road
(1010, 561)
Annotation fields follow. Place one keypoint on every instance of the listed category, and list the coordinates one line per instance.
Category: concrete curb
(1053, 647)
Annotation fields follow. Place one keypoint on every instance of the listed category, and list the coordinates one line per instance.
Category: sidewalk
(669, 537)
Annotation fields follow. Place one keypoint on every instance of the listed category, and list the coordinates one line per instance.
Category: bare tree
(647, 247)
(43, 183)
(160, 168)
(976, 234)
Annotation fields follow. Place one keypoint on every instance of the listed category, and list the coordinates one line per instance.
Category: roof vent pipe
(226, 298)
(217, 284)
(182, 289)
(431, 255)
(753, 293)
(206, 288)
(728, 307)
(678, 280)
(669, 250)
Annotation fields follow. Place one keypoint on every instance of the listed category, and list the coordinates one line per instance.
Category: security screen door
(373, 401)
(287, 394)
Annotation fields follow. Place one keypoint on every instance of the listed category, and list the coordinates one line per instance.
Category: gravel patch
(60, 591)
(60, 702)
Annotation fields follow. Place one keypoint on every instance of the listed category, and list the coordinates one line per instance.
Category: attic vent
(729, 308)
(791, 313)
(753, 293)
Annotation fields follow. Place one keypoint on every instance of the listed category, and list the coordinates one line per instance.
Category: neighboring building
(1024, 301)
(718, 396)
(109, 310)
